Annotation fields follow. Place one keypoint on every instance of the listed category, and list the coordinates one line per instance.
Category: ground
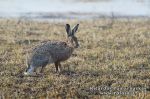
(112, 61)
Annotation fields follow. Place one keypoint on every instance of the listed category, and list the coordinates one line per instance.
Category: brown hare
(53, 52)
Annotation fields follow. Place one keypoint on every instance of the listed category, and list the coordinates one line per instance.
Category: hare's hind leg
(43, 66)
(30, 70)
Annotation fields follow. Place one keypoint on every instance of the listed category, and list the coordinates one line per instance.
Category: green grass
(108, 57)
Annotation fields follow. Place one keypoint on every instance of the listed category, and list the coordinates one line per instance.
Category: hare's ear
(74, 30)
(68, 29)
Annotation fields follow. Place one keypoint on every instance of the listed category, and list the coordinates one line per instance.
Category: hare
(53, 52)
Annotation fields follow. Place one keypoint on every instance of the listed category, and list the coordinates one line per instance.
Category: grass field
(111, 60)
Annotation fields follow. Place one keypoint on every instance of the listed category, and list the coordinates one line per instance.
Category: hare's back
(60, 51)
(57, 50)
(49, 44)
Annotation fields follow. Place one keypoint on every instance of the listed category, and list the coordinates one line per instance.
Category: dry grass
(112, 57)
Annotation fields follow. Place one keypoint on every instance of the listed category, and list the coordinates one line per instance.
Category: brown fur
(53, 51)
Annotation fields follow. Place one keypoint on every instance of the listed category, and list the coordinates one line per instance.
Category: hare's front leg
(57, 64)
(42, 69)
(60, 68)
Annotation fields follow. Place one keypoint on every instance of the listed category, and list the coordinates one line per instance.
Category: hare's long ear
(74, 30)
(68, 29)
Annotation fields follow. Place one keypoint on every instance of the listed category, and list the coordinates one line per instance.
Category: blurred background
(80, 9)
